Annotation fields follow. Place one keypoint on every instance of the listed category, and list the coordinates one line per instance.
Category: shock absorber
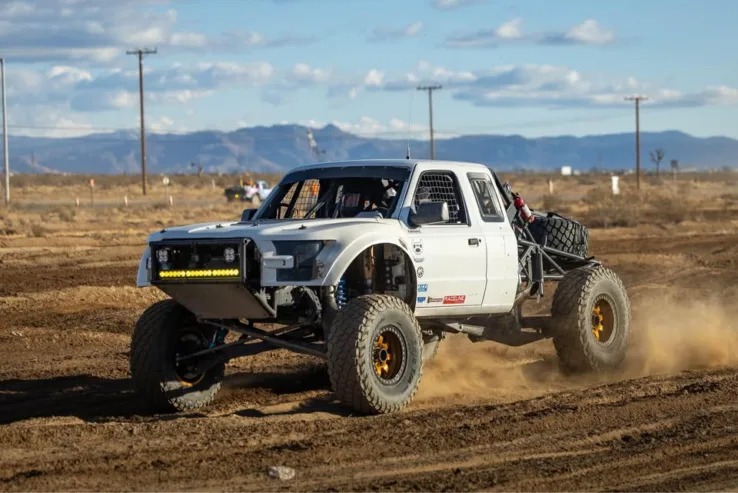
(341, 296)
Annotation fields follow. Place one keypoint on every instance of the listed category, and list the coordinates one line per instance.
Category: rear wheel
(591, 320)
(165, 332)
(375, 354)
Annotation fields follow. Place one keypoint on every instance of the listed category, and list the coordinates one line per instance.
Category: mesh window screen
(440, 187)
(307, 198)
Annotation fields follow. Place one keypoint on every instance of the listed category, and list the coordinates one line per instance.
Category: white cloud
(161, 125)
(366, 126)
(374, 78)
(395, 34)
(510, 29)
(453, 4)
(80, 90)
(589, 32)
(99, 31)
(543, 86)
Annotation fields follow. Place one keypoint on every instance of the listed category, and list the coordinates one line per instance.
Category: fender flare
(347, 255)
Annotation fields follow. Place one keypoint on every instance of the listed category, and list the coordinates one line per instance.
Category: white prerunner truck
(368, 265)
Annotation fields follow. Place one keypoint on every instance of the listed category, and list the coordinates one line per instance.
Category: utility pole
(430, 90)
(140, 53)
(638, 100)
(5, 134)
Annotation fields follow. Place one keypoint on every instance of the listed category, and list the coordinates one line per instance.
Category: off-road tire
(561, 233)
(351, 349)
(574, 299)
(152, 360)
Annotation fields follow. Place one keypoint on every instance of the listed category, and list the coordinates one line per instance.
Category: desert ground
(487, 417)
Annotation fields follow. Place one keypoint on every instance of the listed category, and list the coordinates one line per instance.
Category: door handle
(473, 241)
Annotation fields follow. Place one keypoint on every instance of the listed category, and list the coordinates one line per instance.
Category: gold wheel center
(382, 357)
(597, 321)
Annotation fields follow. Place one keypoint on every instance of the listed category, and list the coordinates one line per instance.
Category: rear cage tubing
(536, 261)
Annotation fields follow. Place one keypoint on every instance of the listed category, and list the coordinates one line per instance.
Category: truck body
(439, 247)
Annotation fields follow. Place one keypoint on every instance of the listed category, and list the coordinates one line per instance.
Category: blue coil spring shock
(341, 293)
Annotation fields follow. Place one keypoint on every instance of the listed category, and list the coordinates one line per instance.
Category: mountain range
(279, 148)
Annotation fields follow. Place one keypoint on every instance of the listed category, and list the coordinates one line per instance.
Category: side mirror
(247, 215)
(429, 213)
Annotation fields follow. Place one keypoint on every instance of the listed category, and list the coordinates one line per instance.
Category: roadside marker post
(615, 185)
(165, 181)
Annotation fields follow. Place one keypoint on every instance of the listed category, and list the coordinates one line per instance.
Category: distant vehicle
(256, 193)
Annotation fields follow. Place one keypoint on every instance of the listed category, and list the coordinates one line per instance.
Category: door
(502, 249)
(450, 258)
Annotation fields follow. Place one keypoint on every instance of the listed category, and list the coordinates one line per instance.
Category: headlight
(229, 254)
(304, 253)
(162, 255)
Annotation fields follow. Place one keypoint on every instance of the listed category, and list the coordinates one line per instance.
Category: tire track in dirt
(565, 441)
(506, 419)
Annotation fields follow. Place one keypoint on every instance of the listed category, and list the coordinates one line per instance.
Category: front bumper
(214, 279)
(200, 275)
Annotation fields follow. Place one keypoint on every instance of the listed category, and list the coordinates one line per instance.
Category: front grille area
(198, 261)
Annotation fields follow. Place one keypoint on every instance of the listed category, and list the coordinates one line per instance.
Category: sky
(529, 67)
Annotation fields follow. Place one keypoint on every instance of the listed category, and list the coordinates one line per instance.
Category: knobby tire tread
(561, 233)
(347, 349)
(149, 349)
(569, 307)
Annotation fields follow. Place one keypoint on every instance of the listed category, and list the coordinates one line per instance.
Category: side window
(307, 198)
(435, 187)
(486, 200)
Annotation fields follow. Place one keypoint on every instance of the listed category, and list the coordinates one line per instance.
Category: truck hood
(277, 229)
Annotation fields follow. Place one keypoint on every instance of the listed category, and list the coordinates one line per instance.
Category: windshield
(332, 193)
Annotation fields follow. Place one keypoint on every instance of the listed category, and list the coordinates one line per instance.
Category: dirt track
(486, 417)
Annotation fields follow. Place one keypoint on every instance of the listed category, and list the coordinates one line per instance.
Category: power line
(637, 100)
(140, 53)
(430, 90)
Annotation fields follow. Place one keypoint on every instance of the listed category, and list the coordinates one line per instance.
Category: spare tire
(561, 233)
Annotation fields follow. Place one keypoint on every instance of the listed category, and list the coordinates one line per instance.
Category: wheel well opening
(383, 268)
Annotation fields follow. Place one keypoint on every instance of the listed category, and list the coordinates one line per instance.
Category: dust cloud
(668, 334)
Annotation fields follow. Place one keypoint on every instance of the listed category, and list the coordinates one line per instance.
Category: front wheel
(165, 332)
(591, 320)
(375, 354)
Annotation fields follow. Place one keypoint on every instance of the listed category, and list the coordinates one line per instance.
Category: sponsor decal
(422, 288)
(435, 300)
(418, 247)
(454, 300)
(418, 260)
(421, 299)
(421, 271)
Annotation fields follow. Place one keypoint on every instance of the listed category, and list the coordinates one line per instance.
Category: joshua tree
(656, 157)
